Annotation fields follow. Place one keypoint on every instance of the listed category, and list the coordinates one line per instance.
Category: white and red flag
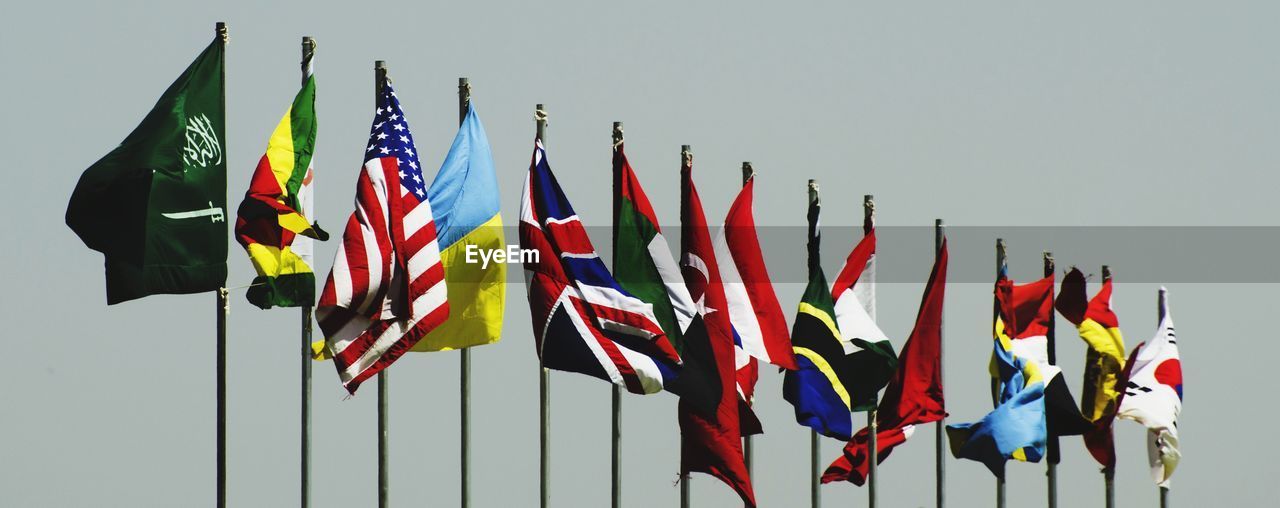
(386, 289)
(1152, 395)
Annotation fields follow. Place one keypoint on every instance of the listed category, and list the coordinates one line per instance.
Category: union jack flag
(583, 321)
(386, 289)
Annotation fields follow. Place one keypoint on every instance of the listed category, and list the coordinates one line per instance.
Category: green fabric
(156, 206)
(302, 123)
(636, 272)
(288, 290)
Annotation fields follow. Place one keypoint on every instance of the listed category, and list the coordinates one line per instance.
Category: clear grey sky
(984, 113)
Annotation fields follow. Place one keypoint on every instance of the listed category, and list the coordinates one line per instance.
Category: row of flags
(698, 327)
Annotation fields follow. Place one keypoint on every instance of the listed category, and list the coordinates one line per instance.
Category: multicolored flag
(711, 442)
(642, 261)
(834, 376)
(1153, 395)
(272, 223)
(464, 198)
(914, 395)
(1104, 360)
(854, 294)
(386, 289)
(759, 327)
(1017, 428)
(583, 321)
(155, 206)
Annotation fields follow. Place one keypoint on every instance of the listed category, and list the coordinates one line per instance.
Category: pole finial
(464, 99)
(220, 31)
(540, 121)
(747, 172)
(686, 156)
(813, 191)
(1106, 273)
(617, 135)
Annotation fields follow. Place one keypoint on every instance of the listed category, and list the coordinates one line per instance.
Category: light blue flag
(1016, 428)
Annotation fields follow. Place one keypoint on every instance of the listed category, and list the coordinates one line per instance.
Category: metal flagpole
(940, 434)
(1051, 471)
(686, 160)
(1002, 264)
(308, 52)
(873, 437)
(615, 479)
(544, 378)
(379, 78)
(223, 306)
(747, 173)
(1160, 305)
(1109, 472)
(464, 104)
(815, 494)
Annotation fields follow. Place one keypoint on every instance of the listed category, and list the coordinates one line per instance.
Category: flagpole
(544, 378)
(1002, 265)
(223, 307)
(615, 480)
(379, 78)
(685, 161)
(308, 52)
(1051, 471)
(873, 437)
(940, 434)
(815, 494)
(464, 395)
(747, 173)
(1160, 310)
(1109, 472)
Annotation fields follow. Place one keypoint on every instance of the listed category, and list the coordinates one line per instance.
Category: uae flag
(155, 206)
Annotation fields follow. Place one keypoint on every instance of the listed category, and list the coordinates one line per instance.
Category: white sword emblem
(213, 212)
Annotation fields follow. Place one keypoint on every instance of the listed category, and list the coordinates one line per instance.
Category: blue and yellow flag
(464, 199)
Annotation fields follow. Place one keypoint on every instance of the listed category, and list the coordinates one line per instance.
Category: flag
(464, 198)
(759, 327)
(854, 295)
(1153, 395)
(273, 222)
(386, 289)
(642, 259)
(1016, 428)
(834, 376)
(914, 395)
(583, 321)
(155, 206)
(1104, 360)
(710, 443)
(1027, 314)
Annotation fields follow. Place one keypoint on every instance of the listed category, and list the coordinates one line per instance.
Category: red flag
(914, 395)
(709, 444)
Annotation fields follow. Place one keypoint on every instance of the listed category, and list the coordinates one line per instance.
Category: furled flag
(582, 320)
(1153, 395)
(1027, 314)
(711, 442)
(1016, 428)
(155, 206)
(1104, 360)
(386, 289)
(834, 376)
(272, 223)
(464, 198)
(914, 395)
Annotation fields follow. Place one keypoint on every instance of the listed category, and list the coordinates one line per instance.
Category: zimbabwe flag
(274, 210)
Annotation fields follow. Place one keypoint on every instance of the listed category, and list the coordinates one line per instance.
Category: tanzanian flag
(155, 206)
(464, 199)
(834, 377)
(275, 210)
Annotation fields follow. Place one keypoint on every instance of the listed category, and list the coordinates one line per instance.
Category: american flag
(386, 289)
(582, 319)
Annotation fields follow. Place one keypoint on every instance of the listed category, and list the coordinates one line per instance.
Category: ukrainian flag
(464, 200)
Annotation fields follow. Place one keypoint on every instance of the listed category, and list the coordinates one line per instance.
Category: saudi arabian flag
(642, 261)
(156, 205)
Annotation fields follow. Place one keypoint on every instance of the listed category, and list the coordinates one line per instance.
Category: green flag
(155, 207)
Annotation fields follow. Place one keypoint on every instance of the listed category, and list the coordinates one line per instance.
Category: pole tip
(684, 148)
(937, 223)
(463, 81)
(1106, 273)
(379, 64)
(220, 30)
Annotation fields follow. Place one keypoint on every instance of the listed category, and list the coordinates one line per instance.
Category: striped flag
(1104, 360)
(386, 289)
(583, 321)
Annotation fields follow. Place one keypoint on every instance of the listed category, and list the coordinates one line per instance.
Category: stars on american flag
(390, 137)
